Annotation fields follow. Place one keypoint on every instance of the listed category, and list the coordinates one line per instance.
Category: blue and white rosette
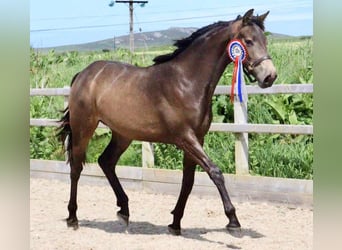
(238, 54)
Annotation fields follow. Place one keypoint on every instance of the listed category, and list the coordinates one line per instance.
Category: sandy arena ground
(264, 226)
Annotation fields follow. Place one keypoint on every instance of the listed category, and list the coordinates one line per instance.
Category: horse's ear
(247, 17)
(263, 17)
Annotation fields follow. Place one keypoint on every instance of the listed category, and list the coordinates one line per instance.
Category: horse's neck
(204, 66)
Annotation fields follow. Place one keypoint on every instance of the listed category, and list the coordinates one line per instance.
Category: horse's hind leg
(107, 162)
(80, 138)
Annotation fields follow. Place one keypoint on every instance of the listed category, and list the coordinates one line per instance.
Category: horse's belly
(132, 121)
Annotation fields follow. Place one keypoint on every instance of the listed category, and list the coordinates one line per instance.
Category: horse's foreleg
(191, 146)
(187, 183)
(107, 162)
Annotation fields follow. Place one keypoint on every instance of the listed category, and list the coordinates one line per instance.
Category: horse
(167, 102)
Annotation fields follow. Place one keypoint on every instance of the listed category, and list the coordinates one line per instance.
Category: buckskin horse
(168, 102)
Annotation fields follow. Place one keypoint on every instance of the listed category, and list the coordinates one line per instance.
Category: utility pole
(131, 32)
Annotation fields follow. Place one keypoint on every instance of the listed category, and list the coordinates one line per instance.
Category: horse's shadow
(147, 228)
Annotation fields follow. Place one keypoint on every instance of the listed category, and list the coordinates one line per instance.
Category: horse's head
(250, 30)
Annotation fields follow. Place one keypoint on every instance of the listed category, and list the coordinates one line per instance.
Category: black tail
(64, 130)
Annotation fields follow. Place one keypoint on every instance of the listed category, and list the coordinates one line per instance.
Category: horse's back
(117, 94)
(97, 72)
(96, 78)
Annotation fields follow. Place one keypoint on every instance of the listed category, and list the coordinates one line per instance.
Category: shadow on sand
(146, 228)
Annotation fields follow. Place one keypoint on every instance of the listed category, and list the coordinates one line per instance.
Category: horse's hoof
(234, 230)
(174, 231)
(72, 222)
(123, 218)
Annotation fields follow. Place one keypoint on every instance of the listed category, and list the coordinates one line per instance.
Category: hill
(141, 40)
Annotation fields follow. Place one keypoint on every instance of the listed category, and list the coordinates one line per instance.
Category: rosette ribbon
(238, 54)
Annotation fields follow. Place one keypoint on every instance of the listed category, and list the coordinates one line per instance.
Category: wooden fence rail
(220, 90)
(240, 127)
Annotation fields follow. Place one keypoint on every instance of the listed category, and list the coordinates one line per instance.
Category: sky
(65, 22)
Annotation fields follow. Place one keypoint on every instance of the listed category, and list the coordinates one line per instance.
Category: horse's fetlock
(72, 207)
(231, 211)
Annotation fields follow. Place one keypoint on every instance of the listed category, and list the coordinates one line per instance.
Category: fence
(240, 127)
(241, 184)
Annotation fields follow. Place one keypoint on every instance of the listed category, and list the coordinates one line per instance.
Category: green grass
(270, 155)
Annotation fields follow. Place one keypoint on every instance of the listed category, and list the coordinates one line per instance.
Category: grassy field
(270, 155)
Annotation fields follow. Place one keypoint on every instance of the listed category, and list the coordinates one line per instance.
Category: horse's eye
(249, 42)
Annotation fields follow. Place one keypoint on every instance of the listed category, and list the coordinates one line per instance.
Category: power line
(72, 17)
(79, 27)
(145, 13)
(182, 19)
(121, 24)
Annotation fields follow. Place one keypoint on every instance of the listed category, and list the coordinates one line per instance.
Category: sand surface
(264, 225)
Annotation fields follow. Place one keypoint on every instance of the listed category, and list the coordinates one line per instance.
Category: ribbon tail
(239, 80)
(234, 78)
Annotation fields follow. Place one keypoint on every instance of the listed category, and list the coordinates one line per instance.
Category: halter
(249, 66)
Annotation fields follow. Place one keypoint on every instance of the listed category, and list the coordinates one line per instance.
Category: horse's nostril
(270, 79)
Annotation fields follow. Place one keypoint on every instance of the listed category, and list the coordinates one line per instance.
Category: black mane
(182, 44)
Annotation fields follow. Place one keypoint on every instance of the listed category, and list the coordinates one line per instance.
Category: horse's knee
(216, 175)
(215, 172)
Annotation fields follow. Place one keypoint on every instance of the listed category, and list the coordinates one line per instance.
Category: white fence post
(241, 142)
(147, 155)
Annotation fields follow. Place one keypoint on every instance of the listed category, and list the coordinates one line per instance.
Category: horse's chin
(264, 85)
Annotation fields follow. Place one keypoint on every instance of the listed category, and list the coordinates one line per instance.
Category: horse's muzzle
(268, 81)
